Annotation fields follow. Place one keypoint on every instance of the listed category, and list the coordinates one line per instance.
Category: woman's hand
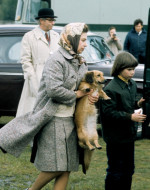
(93, 99)
(81, 93)
(138, 117)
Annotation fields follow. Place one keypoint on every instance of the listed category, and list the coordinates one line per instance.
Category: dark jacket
(117, 126)
(136, 44)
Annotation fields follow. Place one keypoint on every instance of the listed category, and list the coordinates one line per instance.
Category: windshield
(10, 50)
(30, 8)
(96, 50)
(33, 7)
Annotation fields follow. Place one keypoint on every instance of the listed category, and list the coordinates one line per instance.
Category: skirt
(57, 146)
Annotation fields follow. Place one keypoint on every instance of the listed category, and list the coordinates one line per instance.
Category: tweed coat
(34, 53)
(60, 73)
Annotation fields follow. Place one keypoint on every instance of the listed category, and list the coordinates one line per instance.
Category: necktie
(47, 37)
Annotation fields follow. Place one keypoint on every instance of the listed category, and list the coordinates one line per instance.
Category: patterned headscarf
(70, 37)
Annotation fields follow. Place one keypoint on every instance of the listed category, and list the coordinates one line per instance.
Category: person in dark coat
(51, 120)
(135, 41)
(118, 122)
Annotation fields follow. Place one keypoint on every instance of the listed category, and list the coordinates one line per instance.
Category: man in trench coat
(34, 52)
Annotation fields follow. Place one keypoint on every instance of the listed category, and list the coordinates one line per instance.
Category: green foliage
(7, 10)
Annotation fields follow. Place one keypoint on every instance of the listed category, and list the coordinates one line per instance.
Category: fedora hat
(45, 13)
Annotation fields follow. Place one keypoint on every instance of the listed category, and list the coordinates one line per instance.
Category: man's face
(138, 27)
(47, 24)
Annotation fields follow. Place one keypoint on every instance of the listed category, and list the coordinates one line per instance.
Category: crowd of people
(135, 41)
(53, 69)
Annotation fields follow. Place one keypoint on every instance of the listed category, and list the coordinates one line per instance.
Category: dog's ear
(89, 77)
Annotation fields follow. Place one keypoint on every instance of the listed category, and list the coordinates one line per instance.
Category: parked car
(97, 54)
(11, 74)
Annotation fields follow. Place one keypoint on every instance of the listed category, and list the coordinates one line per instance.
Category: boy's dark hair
(138, 21)
(123, 60)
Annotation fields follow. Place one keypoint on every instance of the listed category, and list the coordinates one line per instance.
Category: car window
(13, 53)
(10, 50)
(33, 7)
(96, 50)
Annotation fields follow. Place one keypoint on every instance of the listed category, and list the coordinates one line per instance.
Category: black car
(11, 73)
(97, 54)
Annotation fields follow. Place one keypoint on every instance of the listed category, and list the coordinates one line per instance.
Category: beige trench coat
(35, 51)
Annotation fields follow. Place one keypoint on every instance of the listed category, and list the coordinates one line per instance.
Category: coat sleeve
(108, 40)
(27, 64)
(56, 87)
(26, 57)
(109, 109)
(126, 43)
(119, 44)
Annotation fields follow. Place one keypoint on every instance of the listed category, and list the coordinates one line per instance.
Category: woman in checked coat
(52, 117)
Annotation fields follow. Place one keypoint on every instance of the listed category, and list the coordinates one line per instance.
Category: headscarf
(70, 37)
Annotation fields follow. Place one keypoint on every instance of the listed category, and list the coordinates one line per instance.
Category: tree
(7, 10)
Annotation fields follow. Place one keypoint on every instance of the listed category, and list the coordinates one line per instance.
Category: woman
(118, 122)
(52, 117)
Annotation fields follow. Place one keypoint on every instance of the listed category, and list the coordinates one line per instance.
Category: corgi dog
(86, 114)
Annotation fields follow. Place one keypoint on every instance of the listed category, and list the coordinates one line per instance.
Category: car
(11, 73)
(97, 54)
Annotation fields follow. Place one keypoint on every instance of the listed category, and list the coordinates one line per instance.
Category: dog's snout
(102, 82)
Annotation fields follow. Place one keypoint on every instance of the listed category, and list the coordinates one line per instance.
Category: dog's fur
(86, 114)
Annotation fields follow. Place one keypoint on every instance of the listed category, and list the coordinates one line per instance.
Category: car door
(11, 74)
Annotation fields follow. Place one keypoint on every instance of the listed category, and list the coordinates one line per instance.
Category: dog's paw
(107, 98)
(99, 147)
(91, 149)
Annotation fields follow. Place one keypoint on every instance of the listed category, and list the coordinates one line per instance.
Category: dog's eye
(98, 75)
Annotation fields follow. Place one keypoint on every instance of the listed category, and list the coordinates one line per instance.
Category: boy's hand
(138, 117)
(140, 102)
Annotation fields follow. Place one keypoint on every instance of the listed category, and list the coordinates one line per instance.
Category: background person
(113, 41)
(35, 49)
(135, 41)
(52, 117)
(118, 122)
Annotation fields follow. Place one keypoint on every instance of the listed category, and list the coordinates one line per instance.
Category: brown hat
(45, 13)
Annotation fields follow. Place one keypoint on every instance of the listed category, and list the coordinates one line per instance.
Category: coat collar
(65, 53)
(134, 31)
(122, 83)
(39, 34)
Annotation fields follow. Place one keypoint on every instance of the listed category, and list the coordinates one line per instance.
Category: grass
(19, 173)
